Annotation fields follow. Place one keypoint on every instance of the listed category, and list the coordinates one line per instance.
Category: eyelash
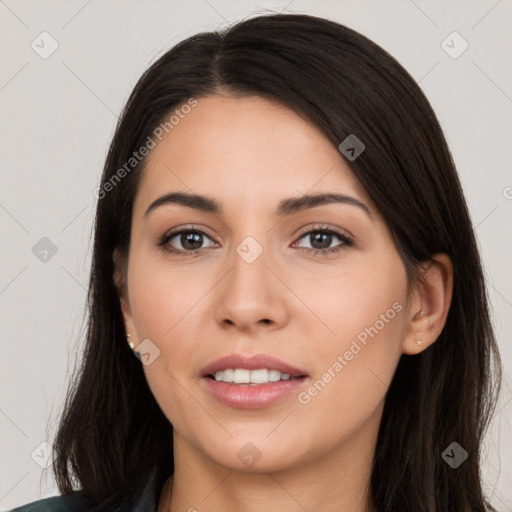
(345, 242)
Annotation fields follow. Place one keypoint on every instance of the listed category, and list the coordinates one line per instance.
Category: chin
(255, 453)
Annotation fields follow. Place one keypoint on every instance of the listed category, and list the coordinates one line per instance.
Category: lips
(254, 362)
(243, 395)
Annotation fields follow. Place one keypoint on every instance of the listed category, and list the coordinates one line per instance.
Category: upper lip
(253, 362)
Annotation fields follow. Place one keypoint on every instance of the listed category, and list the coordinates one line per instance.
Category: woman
(282, 239)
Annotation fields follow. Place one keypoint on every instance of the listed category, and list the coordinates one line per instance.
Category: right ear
(120, 282)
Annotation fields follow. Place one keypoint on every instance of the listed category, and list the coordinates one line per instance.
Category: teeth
(242, 376)
(259, 376)
(274, 375)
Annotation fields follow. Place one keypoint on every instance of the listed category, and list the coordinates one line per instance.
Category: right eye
(189, 241)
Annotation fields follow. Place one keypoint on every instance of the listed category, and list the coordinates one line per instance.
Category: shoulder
(66, 503)
(145, 501)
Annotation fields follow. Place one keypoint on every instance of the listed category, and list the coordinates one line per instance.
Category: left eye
(321, 240)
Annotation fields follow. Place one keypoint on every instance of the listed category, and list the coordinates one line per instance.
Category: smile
(255, 377)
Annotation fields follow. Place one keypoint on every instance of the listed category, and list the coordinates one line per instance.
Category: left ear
(429, 304)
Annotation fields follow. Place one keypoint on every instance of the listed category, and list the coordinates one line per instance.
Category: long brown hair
(113, 434)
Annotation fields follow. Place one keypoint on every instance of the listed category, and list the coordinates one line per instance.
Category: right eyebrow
(202, 203)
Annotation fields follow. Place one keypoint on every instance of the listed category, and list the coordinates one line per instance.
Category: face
(250, 270)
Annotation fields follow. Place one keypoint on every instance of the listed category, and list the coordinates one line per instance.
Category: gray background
(58, 116)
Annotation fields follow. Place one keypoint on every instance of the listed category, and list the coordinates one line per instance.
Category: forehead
(249, 150)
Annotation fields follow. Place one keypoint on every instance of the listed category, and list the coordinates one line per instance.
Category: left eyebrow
(286, 206)
(298, 204)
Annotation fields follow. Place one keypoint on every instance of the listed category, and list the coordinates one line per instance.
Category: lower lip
(243, 396)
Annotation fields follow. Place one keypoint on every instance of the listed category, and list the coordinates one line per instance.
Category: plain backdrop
(58, 113)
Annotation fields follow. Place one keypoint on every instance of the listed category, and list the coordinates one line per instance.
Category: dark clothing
(147, 502)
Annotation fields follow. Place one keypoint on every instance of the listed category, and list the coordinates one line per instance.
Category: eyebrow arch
(286, 206)
(298, 204)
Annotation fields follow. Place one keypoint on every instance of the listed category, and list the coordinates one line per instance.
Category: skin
(248, 154)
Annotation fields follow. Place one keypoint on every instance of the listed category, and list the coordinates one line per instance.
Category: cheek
(364, 302)
(164, 296)
(167, 309)
(356, 356)
(352, 376)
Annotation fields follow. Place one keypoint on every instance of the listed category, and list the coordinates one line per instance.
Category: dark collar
(73, 501)
(150, 496)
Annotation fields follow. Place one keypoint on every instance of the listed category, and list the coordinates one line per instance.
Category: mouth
(251, 382)
(258, 377)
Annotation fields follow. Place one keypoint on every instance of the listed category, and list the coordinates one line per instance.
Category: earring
(419, 343)
(132, 345)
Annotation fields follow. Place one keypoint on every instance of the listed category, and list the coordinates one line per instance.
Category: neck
(337, 480)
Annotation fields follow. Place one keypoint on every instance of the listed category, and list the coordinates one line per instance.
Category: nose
(251, 296)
